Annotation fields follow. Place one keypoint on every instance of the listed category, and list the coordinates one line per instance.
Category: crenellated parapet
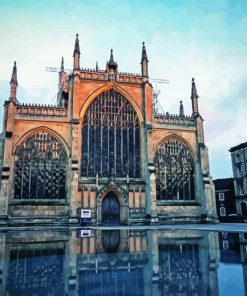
(174, 119)
(93, 74)
(36, 110)
(129, 77)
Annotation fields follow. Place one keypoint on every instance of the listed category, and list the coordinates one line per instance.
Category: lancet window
(40, 168)
(110, 138)
(174, 171)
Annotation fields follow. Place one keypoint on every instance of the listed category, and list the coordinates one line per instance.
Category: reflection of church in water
(129, 262)
(103, 148)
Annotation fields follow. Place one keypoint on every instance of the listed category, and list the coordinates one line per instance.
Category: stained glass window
(40, 168)
(110, 137)
(174, 171)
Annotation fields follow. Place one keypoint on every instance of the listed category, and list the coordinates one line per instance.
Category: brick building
(102, 148)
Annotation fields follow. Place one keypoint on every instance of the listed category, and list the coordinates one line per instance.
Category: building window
(221, 196)
(40, 168)
(110, 138)
(240, 188)
(237, 158)
(243, 209)
(223, 211)
(239, 170)
(174, 171)
(225, 244)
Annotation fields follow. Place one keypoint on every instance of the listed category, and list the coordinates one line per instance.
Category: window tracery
(174, 171)
(110, 137)
(40, 168)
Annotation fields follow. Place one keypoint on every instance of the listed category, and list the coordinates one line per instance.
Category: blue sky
(184, 39)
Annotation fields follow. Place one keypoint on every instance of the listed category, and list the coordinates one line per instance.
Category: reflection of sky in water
(231, 279)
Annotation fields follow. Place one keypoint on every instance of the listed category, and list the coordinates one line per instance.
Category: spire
(111, 58)
(144, 61)
(14, 74)
(76, 54)
(13, 83)
(62, 65)
(97, 67)
(111, 63)
(181, 109)
(194, 98)
(193, 90)
(144, 53)
(77, 46)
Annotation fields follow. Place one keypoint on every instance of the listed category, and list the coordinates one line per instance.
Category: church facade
(103, 148)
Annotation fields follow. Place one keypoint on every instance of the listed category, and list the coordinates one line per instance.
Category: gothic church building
(103, 148)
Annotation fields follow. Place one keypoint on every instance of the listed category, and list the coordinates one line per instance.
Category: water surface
(123, 262)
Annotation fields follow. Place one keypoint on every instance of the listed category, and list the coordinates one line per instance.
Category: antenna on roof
(157, 108)
(51, 69)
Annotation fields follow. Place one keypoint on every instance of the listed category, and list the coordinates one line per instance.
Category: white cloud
(207, 44)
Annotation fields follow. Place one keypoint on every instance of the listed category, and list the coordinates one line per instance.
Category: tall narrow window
(110, 138)
(174, 172)
(223, 211)
(40, 168)
(221, 196)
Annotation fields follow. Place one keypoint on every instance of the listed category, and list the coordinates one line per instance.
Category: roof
(238, 147)
(221, 184)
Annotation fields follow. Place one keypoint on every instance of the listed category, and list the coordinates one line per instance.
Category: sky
(184, 39)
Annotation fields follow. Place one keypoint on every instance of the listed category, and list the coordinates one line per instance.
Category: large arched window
(110, 138)
(174, 171)
(40, 168)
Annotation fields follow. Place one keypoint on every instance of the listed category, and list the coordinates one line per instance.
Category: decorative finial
(111, 63)
(144, 62)
(181, 109)
(193, 90)
(77, 45)
(62, 65)
(14, 74)
(111, 58)
(144, 52)
(13, 83)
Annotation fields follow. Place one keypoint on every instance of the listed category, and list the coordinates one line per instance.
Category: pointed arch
(110, 137)
(176, 137)
(104, 88)
(40, 166)
(121, 196)
(36, 130)
(174, 164)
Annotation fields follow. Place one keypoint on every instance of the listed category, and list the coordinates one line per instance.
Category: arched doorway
(110, 239)
(244, 209)
(110, 210)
